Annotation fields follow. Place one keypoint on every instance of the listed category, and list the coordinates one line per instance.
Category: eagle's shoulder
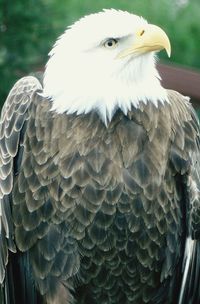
(180, 106)
(185, 130)
(13, 116)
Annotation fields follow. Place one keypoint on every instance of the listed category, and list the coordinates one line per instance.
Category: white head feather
(83, 75)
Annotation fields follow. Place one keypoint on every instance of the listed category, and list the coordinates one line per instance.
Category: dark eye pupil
(110, 43)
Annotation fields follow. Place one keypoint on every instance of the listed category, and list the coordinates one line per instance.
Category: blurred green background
(29, 28)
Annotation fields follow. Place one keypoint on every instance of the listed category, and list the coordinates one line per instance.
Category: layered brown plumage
(98, 214)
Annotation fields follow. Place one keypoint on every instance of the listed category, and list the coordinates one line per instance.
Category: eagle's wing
(13, 118)
(185, 155)
(190, 288)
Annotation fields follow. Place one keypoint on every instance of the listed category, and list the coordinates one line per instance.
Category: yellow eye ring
(110, 43)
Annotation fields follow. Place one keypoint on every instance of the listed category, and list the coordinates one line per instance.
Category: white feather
(189, 249)
(82, 75)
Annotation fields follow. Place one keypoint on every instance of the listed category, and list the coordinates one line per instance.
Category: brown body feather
(102, 212)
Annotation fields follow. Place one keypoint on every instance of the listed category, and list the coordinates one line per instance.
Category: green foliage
(25, 37)
(28, 28)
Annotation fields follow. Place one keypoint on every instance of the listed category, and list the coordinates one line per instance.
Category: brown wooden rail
(183, 80)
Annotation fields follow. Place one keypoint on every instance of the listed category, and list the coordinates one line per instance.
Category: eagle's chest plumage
(99, 205)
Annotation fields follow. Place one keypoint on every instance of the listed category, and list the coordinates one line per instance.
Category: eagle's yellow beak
(148, 39)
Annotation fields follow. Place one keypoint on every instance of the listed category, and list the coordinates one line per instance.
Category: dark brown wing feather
(190, 290)
(13, 118)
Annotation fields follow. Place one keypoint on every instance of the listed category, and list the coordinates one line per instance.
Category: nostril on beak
(142, 32)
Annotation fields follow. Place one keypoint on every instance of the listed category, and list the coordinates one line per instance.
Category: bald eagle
(99, 175)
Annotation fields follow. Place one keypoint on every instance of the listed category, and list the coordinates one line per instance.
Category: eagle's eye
(110, 43)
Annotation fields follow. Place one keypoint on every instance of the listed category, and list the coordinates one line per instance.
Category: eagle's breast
(105, 198)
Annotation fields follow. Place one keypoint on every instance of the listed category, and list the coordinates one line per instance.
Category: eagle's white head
(103, 62)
